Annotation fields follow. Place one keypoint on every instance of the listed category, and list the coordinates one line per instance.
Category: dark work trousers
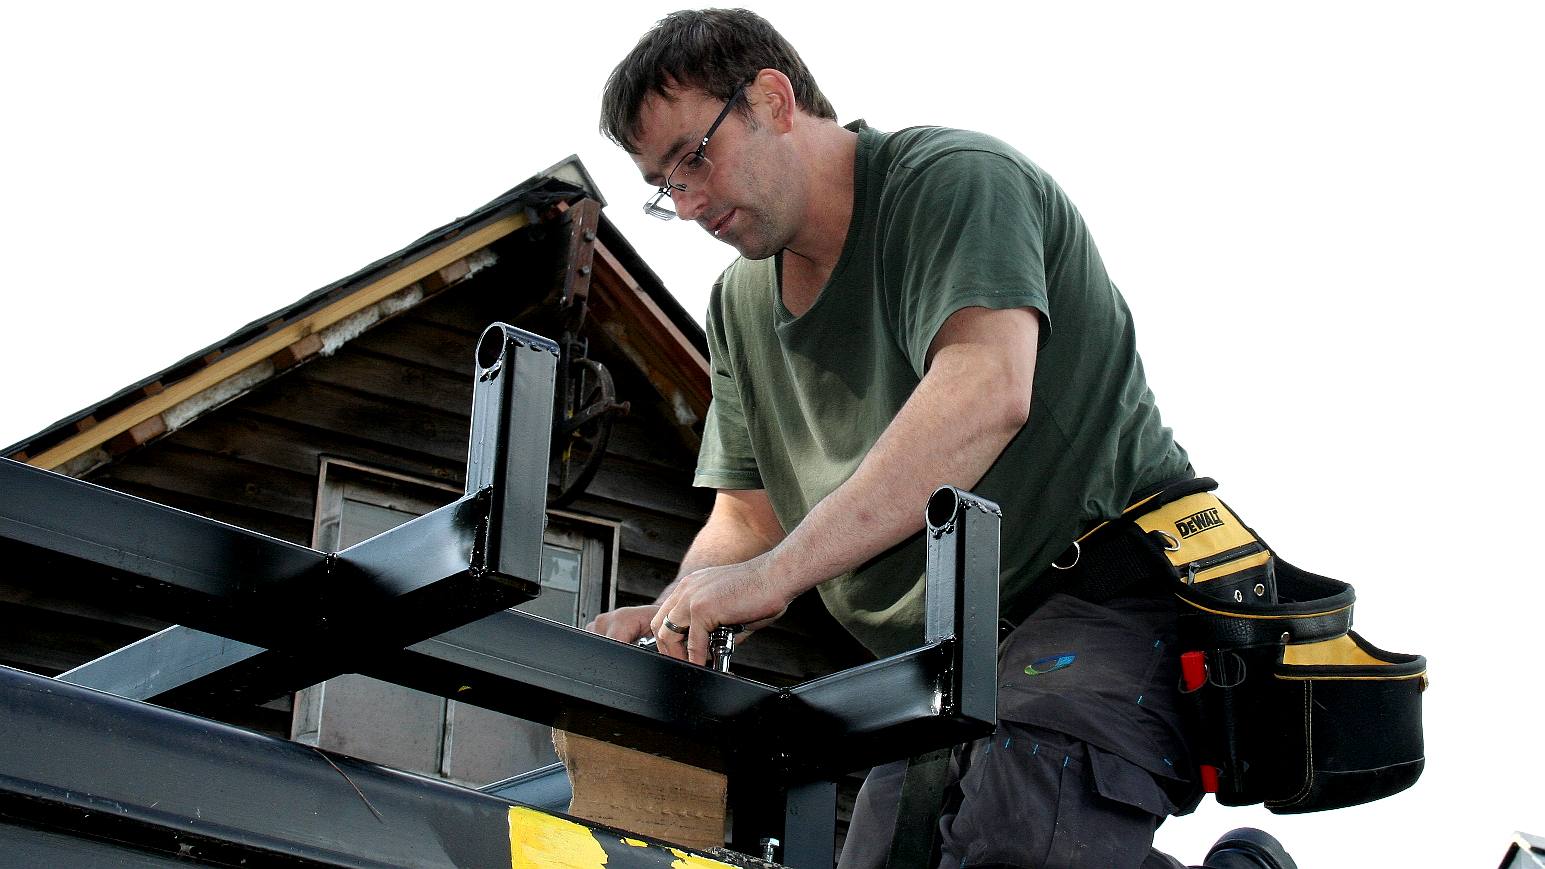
(1091, 752)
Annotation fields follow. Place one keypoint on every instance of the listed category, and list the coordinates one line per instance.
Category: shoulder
(919, 151)
(921, 174)
(928, 167)
(742, 281)
(740, 295)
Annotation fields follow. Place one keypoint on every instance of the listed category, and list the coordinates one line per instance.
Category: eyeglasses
(693, 168)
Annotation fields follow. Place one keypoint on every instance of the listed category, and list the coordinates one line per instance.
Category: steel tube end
(943, 506)
(490, 347)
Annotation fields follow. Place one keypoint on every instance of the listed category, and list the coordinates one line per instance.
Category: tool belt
(1295, 709)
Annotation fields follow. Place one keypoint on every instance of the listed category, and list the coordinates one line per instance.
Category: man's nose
(690, 204)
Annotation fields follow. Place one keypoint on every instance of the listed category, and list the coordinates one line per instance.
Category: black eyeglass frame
(653, 208)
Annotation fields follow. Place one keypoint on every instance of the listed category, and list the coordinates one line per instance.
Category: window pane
(560, 568)
(362, 520)
(559, 599)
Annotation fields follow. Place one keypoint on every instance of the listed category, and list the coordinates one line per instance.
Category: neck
(828, 158)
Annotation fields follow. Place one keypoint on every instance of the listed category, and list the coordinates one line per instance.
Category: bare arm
(741, 526)
(973, 399)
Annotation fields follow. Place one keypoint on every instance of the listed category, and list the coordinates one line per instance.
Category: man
(909, 310)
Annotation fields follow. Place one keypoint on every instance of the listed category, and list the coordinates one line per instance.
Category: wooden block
(141, 433)
(642, 793)
(450, 274)
(456, 271)
(294, 354)
(154, 387)
(431, 283)
(19, 456)
(85, 423)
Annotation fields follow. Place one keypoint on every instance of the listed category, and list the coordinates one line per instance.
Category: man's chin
(750, 248)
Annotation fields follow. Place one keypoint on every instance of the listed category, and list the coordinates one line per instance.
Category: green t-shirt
(942, 219)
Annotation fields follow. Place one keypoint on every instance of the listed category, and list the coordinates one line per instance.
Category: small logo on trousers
(1196, 523)
(1050, 663)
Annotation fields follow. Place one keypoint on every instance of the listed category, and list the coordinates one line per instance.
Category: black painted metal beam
(463, 561)
(512, 422)
(160, 664)
(773, 742)
(547, 672)
(162, 561)
(963, 537)
(87, 778)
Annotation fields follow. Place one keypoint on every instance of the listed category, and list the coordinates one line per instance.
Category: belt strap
(1112, 559)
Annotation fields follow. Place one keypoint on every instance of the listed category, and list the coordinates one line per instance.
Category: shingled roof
(667, 343)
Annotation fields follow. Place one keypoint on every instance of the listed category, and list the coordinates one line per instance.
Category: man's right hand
(628, 624)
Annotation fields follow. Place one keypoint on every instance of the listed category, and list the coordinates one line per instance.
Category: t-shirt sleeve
(967, 229)
(725, 459)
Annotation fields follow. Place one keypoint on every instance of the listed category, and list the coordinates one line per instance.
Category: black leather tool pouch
(1296, 710)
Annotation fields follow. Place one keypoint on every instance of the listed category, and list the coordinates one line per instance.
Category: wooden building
(347, 412)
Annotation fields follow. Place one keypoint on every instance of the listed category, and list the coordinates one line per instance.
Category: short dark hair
(713, 50)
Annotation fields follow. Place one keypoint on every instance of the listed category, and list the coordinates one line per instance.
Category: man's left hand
(749, 593)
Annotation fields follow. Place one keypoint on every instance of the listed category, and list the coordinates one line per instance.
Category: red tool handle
(1209, 778)
(1193, 671)
(1193, 675)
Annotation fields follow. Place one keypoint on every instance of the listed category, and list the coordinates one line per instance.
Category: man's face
(739, 202)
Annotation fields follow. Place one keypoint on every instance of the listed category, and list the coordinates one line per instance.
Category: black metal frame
(299, 616)
(92, 780)
(425, 605)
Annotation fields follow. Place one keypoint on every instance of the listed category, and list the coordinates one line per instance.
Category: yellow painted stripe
(270, 344)
(542, 841)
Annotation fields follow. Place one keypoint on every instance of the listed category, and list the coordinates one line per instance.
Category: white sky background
(1326, 217)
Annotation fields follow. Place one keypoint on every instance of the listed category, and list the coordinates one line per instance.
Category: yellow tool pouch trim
(1199, 527)
(1338, 652)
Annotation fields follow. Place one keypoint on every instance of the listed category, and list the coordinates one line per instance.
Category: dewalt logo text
(1196, 523)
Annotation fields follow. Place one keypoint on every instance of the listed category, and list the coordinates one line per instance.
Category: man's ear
(772, 96)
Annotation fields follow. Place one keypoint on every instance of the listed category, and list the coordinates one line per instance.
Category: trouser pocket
(1033, 797)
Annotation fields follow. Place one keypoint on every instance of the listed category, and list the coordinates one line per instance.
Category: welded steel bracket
(260, 617)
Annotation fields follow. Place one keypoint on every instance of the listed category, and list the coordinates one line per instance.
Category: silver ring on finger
(675, 628)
